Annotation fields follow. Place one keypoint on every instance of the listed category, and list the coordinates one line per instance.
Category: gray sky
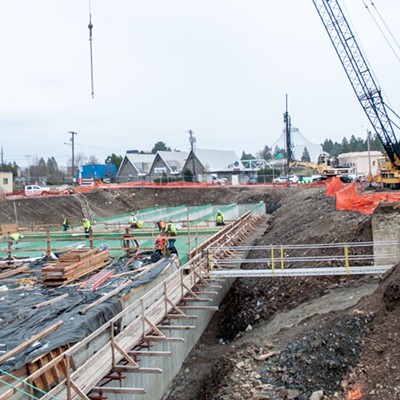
(219, 67)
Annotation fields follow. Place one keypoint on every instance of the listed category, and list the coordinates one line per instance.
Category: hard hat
(22, 236)
(132, 213)
(219, 211)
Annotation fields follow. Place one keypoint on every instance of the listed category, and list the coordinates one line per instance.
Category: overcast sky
(219, 67)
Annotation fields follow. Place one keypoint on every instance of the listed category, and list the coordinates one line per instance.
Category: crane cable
(90, 26)
(381, 30)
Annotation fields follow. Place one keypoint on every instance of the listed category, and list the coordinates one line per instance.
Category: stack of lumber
(73, 265)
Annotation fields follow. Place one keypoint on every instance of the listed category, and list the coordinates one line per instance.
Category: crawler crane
(365, 87)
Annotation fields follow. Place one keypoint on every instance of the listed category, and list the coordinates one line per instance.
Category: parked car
(286, 179)
(35, 190)
(216, 180)
(281, 179)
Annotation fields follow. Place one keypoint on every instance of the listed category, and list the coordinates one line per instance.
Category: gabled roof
(140, 162)
(219, 160)
(174, 160)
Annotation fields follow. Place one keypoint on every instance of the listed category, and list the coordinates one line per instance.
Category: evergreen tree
(114, 159)
(246, 156)
(187, 175)
(265, 153)
(160, 146)
(306, 155)
(327, 146)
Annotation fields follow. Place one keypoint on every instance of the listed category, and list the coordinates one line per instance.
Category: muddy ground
(299, 338)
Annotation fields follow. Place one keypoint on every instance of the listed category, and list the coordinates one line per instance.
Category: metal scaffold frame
(356, 258)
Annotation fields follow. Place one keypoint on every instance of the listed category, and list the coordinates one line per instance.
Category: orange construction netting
(347, 197)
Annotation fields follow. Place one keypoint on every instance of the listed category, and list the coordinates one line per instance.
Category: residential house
(167, 164)
(134, 166)
(207, 163)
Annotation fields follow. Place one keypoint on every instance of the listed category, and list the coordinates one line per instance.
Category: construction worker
(133, 221)
(162, 242)
(160, 225)
(219, 218)
(15, 237)
(86, 226)
(170, 230)
(65, 224)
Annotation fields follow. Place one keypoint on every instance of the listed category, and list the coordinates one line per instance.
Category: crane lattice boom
(360, 75)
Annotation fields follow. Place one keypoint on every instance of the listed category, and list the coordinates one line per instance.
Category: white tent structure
(299, 142)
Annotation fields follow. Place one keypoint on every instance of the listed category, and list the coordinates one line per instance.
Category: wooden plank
(51, 301)
(104, 298)
(118, 390)
(127, 368)
(79, 391)
(54, 279)
(14, 272)
(181, 316)
(150, 353)
(195, 299)
(163, 339)
(125, 355)
(213, 308)
(77, 254)
(30, 341)
(177, 327)
(9, 393)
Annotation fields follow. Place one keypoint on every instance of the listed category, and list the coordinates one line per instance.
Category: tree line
(328, 146)
(39, 167)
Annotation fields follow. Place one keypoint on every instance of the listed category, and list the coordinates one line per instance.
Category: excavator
(325, 166)
(359, 73)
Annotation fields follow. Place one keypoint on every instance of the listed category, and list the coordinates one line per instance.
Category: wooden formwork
(141, 323)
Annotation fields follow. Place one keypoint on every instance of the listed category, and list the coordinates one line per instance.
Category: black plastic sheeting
(19, 321)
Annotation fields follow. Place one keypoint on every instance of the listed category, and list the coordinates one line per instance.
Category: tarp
(19, 321)
(347, 197)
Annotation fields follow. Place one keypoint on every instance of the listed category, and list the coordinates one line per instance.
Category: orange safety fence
(347, 197)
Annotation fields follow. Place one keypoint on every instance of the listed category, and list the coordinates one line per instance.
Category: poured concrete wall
(157, 384)
(386, 227)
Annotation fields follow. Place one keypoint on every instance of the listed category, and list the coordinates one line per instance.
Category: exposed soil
(301, 338)
(104, 202)
(282, 338)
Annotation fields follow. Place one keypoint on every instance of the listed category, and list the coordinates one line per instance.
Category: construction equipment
(365, 87)
(326, 166)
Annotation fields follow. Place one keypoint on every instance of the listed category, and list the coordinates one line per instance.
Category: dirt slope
(106, 202)
(303, 338)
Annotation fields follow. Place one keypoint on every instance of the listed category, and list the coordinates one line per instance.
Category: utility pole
(192, 141)
(2, 158)
(73, 153)
(369, 155)
(28, 156)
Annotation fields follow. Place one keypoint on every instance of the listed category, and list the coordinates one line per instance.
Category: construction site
(292, 299)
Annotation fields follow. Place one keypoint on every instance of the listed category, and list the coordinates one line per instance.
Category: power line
(381, 30)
